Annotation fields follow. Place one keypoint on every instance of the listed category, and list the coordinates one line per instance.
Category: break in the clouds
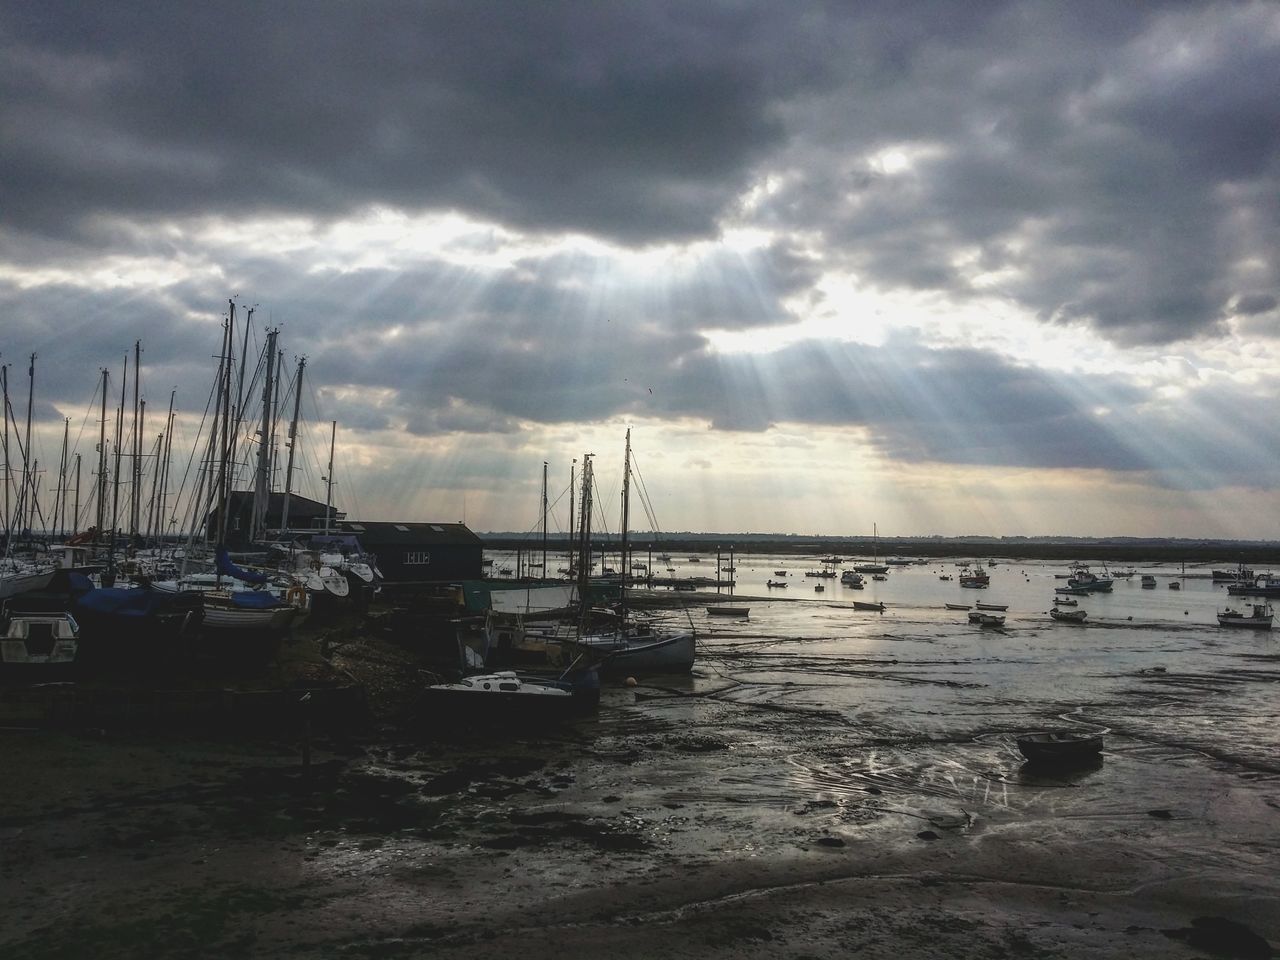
(1014, 236)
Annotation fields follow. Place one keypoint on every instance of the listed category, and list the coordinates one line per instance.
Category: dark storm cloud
(629, 122)
(1110, 164)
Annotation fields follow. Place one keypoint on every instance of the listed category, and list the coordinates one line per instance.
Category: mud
(814, 790)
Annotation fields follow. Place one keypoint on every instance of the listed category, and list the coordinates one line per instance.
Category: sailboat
(627, 646)
(875, 566)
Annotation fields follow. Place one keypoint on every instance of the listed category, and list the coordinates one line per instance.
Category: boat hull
(1060, 748)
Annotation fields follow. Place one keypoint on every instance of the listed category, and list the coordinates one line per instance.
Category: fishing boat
(992, 606)
(1258, 618)
(1082, 579)
(1148, 582)
(1051, 747)
(724, 610)
(851, 578)
(986, 619)
(1068, 616)
(957, 606)
(868, 605)
(975, 578)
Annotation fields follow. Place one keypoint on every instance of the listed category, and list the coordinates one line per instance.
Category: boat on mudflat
(957, 606)
(1258, 618)
(724, 610)
(1068, 616)
(986, 619)
(992, 606)
(506, 696)
(868, 605)
(1050, 747)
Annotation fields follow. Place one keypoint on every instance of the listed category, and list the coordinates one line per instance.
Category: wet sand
(851, 790)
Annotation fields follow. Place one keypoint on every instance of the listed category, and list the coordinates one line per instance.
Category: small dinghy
(868, 605)
(1050, 747)
(986, 619)
(1068, 616)
(723, 610)
(957, 606)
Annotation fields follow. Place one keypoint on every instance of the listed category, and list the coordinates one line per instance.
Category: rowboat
(868, 605)
(985, 619)
(957, 606)
(723, 610)
(992, 606)
(1060, 747)
(1068, 616)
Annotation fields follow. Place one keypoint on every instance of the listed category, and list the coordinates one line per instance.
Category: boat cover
(123, 602)
(255, 599)
(225, 566)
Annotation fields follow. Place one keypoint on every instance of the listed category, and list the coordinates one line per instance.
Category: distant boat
(975, 579)
(775, 583)
(1068, 616)
(1065, 601)
(875, 566)
(1060, 747)
(818, 588)
(868, 605)
(1082, 579)
(985, 619)
(992, 606)
(1175, 585)
(779, 573)
(1259, 617)
(957, 606)
(1148, 582)
(851, 578)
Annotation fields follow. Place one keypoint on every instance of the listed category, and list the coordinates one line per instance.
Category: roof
(387, 531)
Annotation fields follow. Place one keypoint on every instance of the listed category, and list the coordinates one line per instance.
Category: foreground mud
(819, 791)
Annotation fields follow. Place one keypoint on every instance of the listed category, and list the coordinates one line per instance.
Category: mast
(136, 473)
(572, 480)
(328, 490)
(75, 516)
(60, 498)
(224, 465)
(102, 462)
(626, 517)
(27, 478)
(544, 518)
(584, 534)
(262, 480)
(8, 465)
(292, 445)
(115, 490)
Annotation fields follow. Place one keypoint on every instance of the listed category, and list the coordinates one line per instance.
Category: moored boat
(724, 610)
(1258, 618)
(957, 606)
(1049, 747)
(1068, 616)
(38, 645)
(868, 605)
(504, 696)
(986, 619)
(992, 606)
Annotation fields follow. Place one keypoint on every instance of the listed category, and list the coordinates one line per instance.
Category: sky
(924, 268)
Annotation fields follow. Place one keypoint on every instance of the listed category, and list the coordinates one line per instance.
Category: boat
(985, 619)
(1065, 602)
(1072, 591)
(1082, 579)
(875, 566)
(944, 576)
(1051, 747)
(851, 578)
(992, 606)
(1148, 582)
(818, 588)
(1265, 586)
(775, 583)
(1068, 616)
(1240, 574)
(1175, 585)
(1258, 618)
(868, 605)
(779, 573)
(957, 606)
(724, 610)
(38, 645)
(504, 695)
(975, 578)
(626, 646)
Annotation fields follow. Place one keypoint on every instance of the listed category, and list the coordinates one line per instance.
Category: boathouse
(304, 515)
(419, 553)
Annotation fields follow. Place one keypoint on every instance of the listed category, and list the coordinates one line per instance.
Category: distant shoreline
(1225, 553)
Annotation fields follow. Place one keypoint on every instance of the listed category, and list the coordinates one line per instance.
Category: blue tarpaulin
(225, 566)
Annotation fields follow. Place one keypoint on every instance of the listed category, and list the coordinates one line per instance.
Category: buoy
(631, 681)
